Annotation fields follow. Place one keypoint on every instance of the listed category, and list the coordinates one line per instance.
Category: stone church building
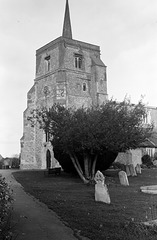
(68, 72)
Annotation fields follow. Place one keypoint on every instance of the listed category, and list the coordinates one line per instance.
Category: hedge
(5, 210)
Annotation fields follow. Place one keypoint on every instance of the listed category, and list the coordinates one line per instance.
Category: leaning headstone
(123, 178)
(101, 190)
(132, 170)
(155, 162)
(128, 171)
(138, 168)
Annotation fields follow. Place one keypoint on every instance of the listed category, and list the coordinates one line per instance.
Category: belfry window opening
(78, 61)
(47, 135)
(84, 87)
(48, 63)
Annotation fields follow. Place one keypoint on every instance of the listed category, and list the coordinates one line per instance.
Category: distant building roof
(153, 138)
(150, 142)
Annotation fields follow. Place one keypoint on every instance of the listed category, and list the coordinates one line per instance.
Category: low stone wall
(130, 157)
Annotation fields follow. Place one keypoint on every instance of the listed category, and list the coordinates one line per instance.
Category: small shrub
(1, 164)
(155, 156)
(118, 165)
(5, 210)
(143, 166)
(146, 160)
(15, 163)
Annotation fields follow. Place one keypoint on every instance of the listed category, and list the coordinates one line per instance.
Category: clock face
(61, 91)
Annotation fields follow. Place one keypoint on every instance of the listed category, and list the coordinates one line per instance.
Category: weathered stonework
(132, 156)
(68, 72)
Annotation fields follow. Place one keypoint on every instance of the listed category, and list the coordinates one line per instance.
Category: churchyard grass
(74, 203)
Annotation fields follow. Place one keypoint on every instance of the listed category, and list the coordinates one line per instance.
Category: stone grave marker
(128, 170)
(132, 170)
(138, 168)
(123, 178)
(101, 190)
(155, 162)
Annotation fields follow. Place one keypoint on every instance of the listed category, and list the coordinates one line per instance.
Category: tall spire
(67, 32)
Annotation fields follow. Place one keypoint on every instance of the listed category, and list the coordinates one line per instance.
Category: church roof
(97, 61)
(147, 144)
(32, 90)
(68, 41)
(150, 142)
(67, 32)
(153, 138)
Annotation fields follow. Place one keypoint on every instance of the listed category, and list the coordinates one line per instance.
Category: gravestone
(132, 170)
(123, 178)
(138, 168)
(101, 190)
(152, 189)
(155, 162)
(128, 171)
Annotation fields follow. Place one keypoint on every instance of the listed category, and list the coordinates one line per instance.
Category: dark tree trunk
(78, 168)
(93, 166)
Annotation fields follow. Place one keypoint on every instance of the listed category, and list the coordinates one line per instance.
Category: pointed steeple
(67, 32)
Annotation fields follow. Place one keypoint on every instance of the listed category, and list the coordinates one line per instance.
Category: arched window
(48, 159)
(48, 63)
(84, 87)
(78, 61)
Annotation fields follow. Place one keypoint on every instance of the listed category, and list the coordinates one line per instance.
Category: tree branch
(94, 165)
(77, 169)
(78, 164)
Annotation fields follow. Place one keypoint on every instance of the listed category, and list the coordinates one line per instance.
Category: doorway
(48, 159)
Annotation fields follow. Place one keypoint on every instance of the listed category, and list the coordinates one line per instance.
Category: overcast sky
(126, 31)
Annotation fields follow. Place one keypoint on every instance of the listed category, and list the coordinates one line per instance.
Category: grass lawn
(74, 203)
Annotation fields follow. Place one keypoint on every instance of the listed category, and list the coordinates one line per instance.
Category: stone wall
(130, 157)
(41, 63)
(58, 80)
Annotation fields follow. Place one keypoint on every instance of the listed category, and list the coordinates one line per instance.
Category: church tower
(68, 72)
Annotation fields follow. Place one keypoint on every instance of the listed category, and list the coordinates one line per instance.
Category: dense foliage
(147, 161)
(85, 134)
(5, 210)
(12, 162)
(15, 162)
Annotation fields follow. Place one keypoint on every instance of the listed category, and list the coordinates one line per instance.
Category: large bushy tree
(86, 133)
